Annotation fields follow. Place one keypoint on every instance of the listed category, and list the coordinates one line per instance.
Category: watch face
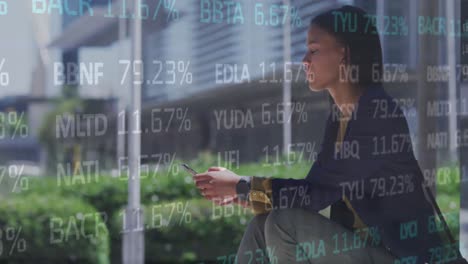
(242, 187)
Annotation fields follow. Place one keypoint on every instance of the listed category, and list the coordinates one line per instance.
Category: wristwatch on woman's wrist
(243, 188)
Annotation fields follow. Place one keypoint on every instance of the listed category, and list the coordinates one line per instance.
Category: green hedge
(209, 233)
(202, 239)
(109, 194)
(46, 228)
(448, 180)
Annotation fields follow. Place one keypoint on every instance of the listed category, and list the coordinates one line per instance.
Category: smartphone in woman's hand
(188, 169)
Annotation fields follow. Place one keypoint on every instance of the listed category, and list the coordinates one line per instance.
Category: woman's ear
(346, 56)
(343, 55)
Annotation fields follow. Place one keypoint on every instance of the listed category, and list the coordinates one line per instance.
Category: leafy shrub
(189, 230)
(49, 228)
(108, 193)
(167, 184)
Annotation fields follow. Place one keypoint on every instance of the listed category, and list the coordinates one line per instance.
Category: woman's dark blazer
(380, 137)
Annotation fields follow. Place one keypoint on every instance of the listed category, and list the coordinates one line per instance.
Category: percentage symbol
(271, 255)
(18, 124)
(305, 200)
(173, 12)
(20, 179)
(309, 75)
(310, 147)
(4, 76)
(403, 73)
(412, 111)
(12, 235)
(302, 113)
(375, 236)
(168, 158)
(296, 19)
(186, 216)
(187, 76)
(403, 26)
(409, 183)
(174, 168)
(184, 121)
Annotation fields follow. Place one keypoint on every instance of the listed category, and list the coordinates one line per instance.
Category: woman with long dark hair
(366, 172)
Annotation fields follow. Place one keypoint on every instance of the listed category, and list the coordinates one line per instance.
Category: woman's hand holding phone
(218, 184)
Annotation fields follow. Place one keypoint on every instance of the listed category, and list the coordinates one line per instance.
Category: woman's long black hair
(360, 38)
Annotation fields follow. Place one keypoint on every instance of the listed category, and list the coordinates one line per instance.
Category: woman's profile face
(322, 59)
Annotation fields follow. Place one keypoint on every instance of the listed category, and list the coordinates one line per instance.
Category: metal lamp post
(133, 236)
